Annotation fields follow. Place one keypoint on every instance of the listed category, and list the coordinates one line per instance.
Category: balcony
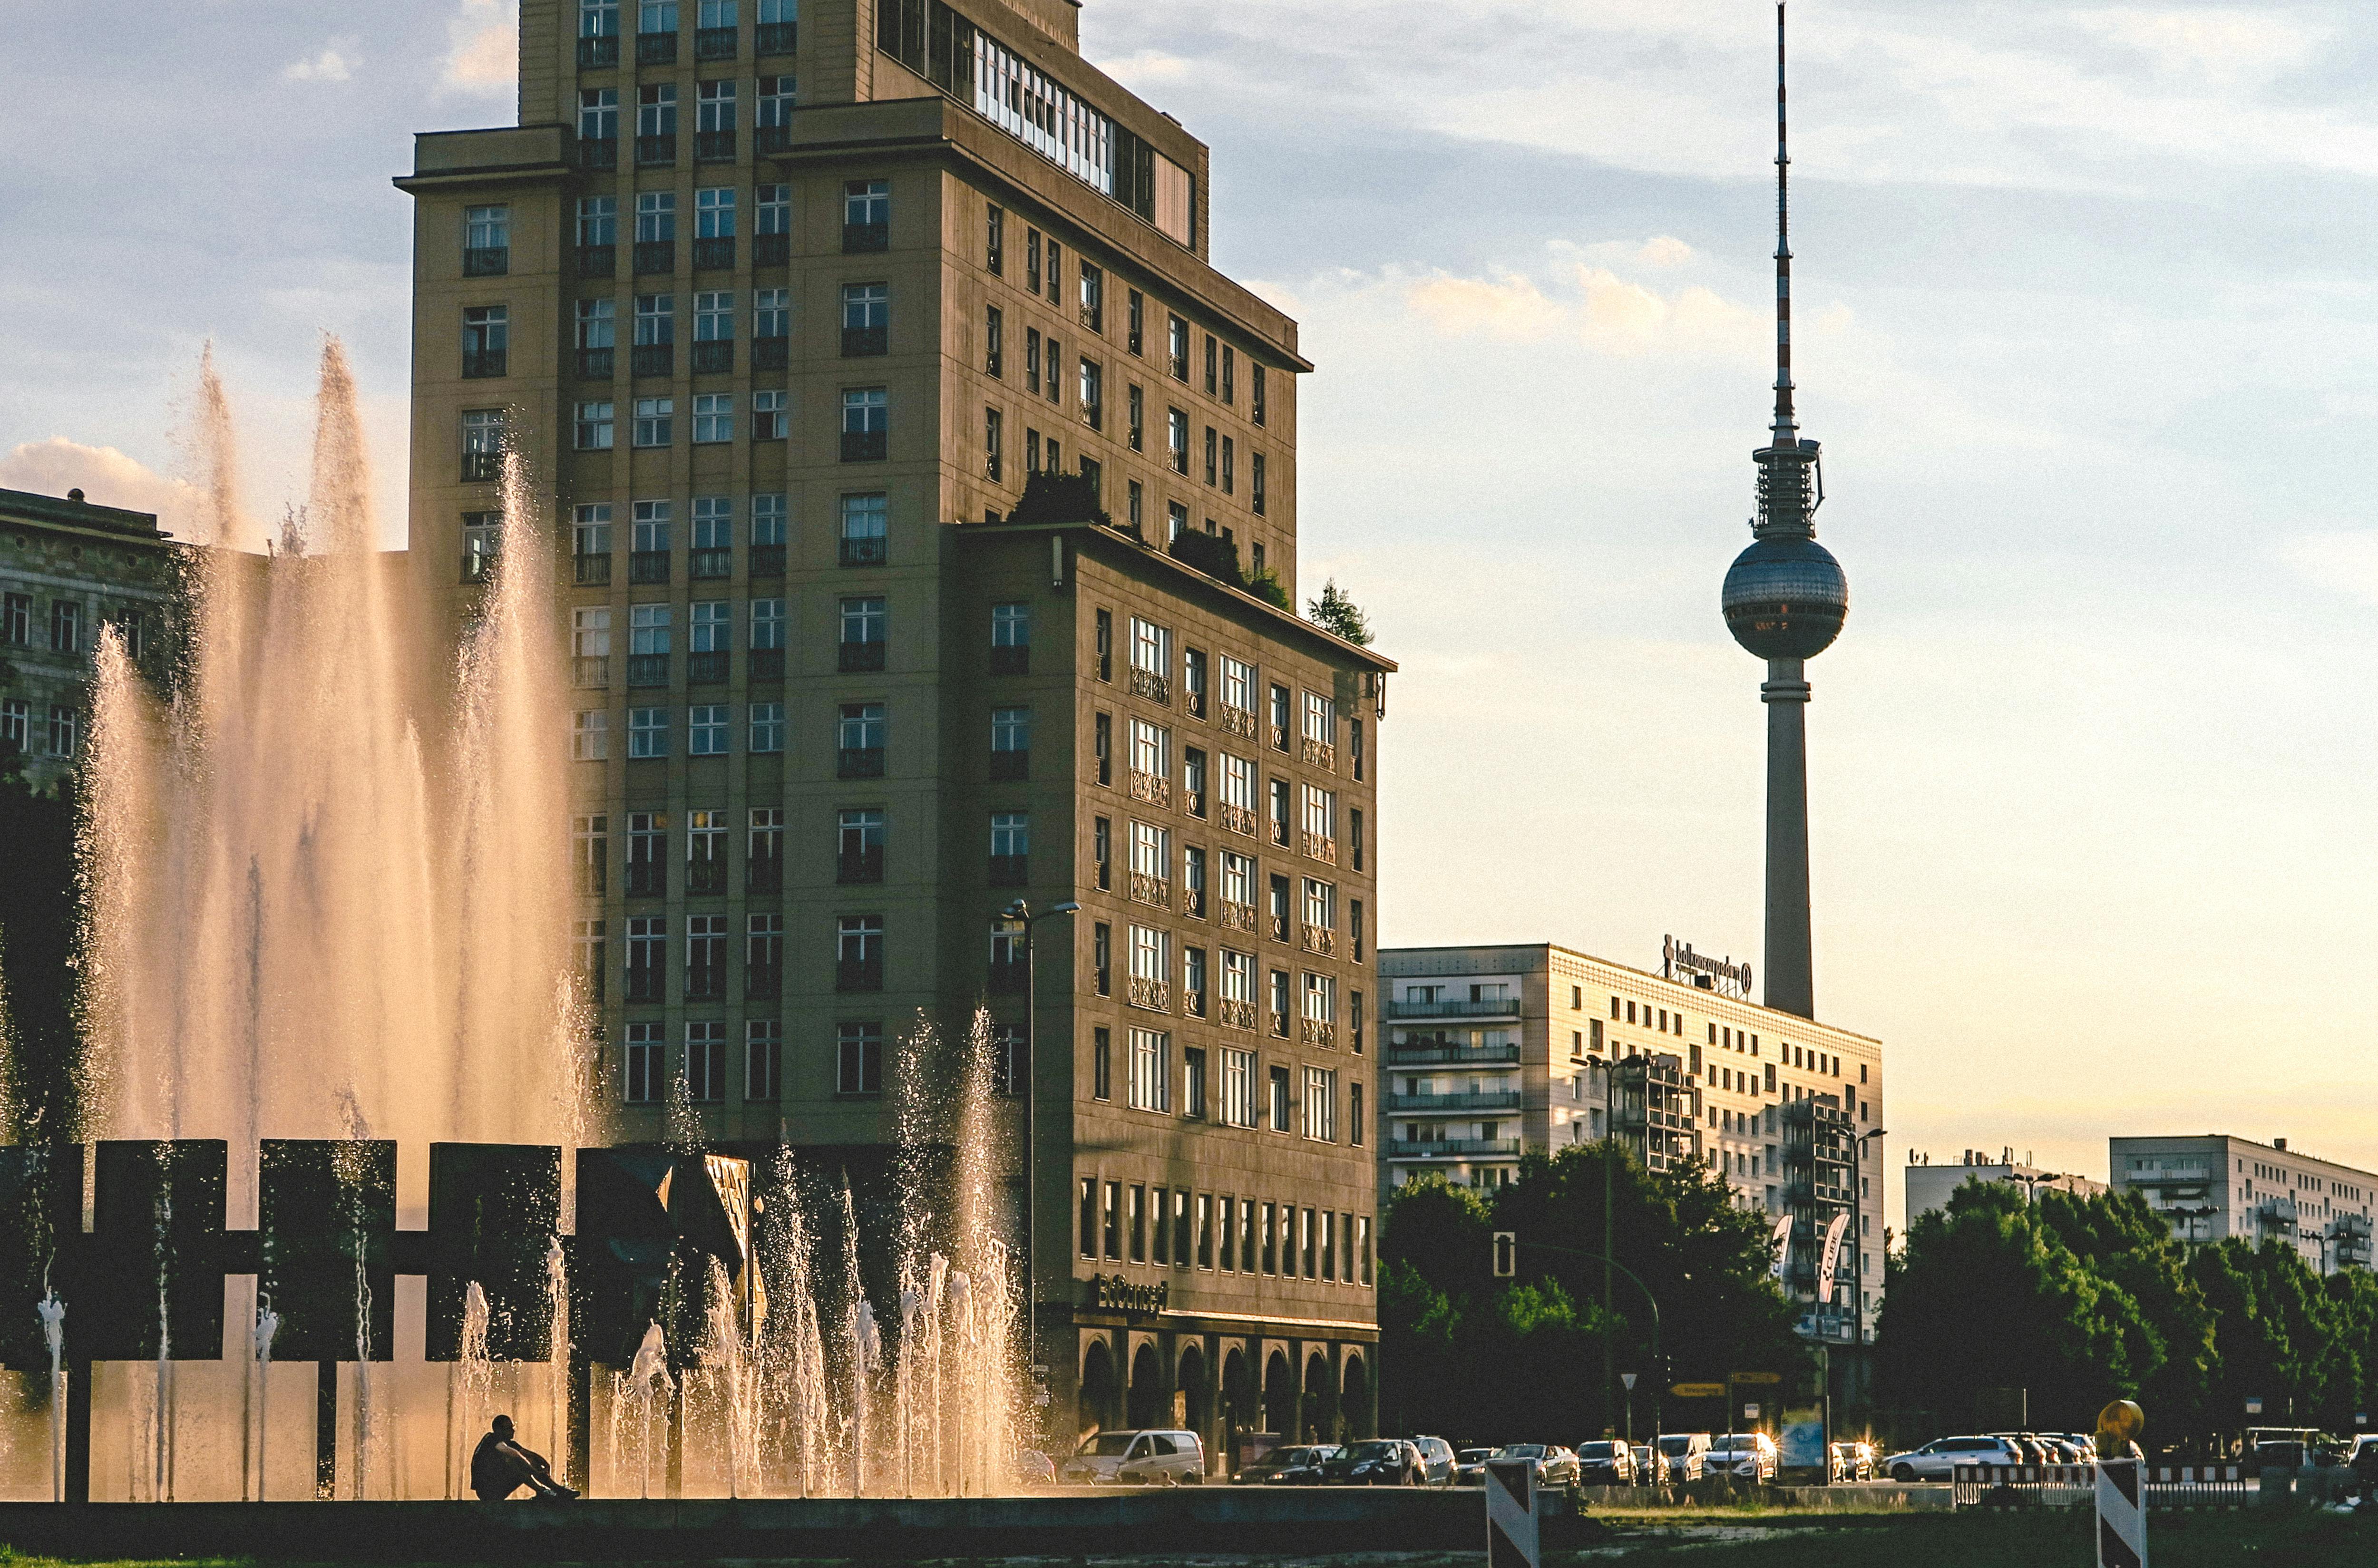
(1154, 687)
(648, 669)
(865, 342)
(858, 762)
(1011, 659)
(482, 468)
(1492, 1099)
(648, 566)
(1494, 1007)
(1320, 754)
(705, 669)
(707, 566)
(1321, 1032)
(859, 238)
(647, 879)
(1452, 1056)
(656, 256)
(652, 359)
(598, 155)
(1322, 849)
(1236, 917)
(763, 873)
(1236, 819)
(480, 365)
(770, 354)
(1318, 941)
(715, 255)
(764, 664)
(598, 53)
(1238, 721)
(1450, 1148)
(1233, 1014)
(657, 49)
(769, 141)
(1010, 870)
(767, 560)
(1006, 767)
(865, 446)
(714, 358)
(1152, 890)
(707, 876)
(850, 657)
(596, 364)
(865, 551)
(763, 982)
(714, 43)
(1156, 996)
(1153, 788)
(858, 973)
(656, 151)
(771, 250)
(487, 261)
(590, 673)
(774, 38)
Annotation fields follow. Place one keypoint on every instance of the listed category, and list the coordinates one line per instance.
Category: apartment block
(1499, 1050)
(1929, 1186)
(786, 312)
(2211, 1185)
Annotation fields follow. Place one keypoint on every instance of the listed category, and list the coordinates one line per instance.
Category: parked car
(2083, 1445)
(1034, 1468)
(1938, 1459)
(1643, 1472)
(1556, 1465)
(1748, 1456)
(1681, 1454)
(1436, 1458)
(1469, 1467)
(2033, 1449)
(1297, 1464)
(1139, 1459)
(1602, 1463)
(1376, 1462)
(1853, 1461)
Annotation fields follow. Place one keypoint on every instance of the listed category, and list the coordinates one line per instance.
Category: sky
(2086, 318)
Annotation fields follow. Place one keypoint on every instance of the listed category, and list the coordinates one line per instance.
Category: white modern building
(1929, 1185)
(2213, 1185)
(1495, 1050)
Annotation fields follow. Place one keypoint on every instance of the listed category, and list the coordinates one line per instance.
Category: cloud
(2232, 48)
(330, 64)
(2342, 562)
(1508, 309)
(483, 47)
(1610, 314)
(105, 476)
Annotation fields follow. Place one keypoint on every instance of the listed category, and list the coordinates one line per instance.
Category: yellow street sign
(1698, 1390)
(1758, 1377)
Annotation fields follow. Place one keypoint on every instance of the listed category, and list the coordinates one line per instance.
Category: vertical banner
(1782, 1242)
(1512, 1513)
(1829, 1260)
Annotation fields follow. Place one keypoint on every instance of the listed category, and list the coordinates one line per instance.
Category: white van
(1137, 1458)
(1683, 1457)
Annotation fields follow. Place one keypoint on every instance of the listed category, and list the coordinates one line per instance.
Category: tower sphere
(1785, 597)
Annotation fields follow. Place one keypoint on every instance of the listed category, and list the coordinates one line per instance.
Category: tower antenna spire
(1786, 428)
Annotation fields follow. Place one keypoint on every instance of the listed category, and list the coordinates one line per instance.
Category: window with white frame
(591, 529)
(1321, 1104)
(1238, 877)
(1320, 903)
(771, 205)
(655, 421)
(711, 626)
(648, 628)
(767, 623)
(655, 320)
(705, 1060)
(650, 529)
(1151, 851)
(598, 18)
(864, 517)
(1011, 729)
(778, 94)
(590, 632)
(713, 315)
(657, 101)
(598, 120)
(1320, 997)
(705, 730)
(648, 733)
(1321, 812)
(1152, 1086)
(16, 725)
(772, 313)
(1238, 1088)
(646, 1064)
(715, 14)
(1151, 954)
(714, 110)
(1010, 625)
(590, 735)
(1238, 684)
(1320, 719)
(713, 418)
(598, 323)
(487, 228)
(1238, 976)
(655, 217)
(595, 428)
(859, 1053)
(1011, 832)
(764, 1059)
(1238, 782)
(1151, 748)
(714, 523)
(768, 416)
(768, 519)
(1151, 647)
(767, 728)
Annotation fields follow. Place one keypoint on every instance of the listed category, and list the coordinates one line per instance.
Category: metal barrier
(2071, 1486)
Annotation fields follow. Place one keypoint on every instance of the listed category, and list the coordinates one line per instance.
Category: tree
(1335, 612)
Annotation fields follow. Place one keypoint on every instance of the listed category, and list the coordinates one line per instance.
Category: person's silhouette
(499, 1467)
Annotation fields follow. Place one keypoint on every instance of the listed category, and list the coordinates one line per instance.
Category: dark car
(1436, 1455)
(1297, 1464)
(1377, 1462)
(1605, 1464)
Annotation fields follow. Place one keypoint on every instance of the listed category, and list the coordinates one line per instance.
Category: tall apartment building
(2213, 1185)
(1493, 1051)
(787, 311)
(69, 565)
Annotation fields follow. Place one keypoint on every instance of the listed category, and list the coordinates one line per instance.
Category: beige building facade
(782, 312)
(1495, 1052)
(2214, 1185)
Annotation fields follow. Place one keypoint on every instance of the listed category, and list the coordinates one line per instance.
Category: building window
(1238, 1088)
(647, 958)
(713, 133)
(865, 530)
(994, 426)
(1280, 1102)
(705, 957)
(1151, 1051)
(1209, 454)
(713, 418)
(483, 444)
(767, 728)
(646, 1056)
(859, 952)
(486, 241)
(772, 323)
(64, 729)
(1229, 464)
(1092, 308)
(859, 1058)
(655, 421)
(994, 241)
(590, 734)
(866, 319)
(1192, 1081)
(1255, 482)
(1093, 394)
(1176, 340)
(1354, 1115)
(1256, 403)
(858, 845)
(764, 1059)
(866, 425)
(594, 428)
(648, 733)
(866, 215)
(705, 730)
(1102, 955)
(767, 417)
(772, 204)
(1176, 440)
(656, 123)
(486, 337)
(705, 1061)
(859, 734)
(1010, 743)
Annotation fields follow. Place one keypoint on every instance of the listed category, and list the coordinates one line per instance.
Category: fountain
(329, 900)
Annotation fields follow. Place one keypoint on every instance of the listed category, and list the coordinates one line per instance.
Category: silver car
(1938, 1460)
(1137, 1458)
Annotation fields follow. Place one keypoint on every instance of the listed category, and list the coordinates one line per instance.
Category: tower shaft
(1790, 976)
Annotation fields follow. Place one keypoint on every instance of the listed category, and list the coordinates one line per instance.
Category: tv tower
(1785, 600)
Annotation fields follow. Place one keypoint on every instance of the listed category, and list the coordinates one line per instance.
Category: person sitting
(500, 1467)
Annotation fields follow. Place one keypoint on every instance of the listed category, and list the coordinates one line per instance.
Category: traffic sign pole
(1511, 1540)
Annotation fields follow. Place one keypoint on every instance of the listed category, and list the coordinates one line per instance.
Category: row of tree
(2079, 1301)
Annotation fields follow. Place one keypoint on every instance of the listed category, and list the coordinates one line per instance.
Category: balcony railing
(1238, 721)
(597, 261)
(709, 565)
(715, 254)
(1149, 889)
(858, 762)
(1320, 753)
(763, 873)
(1450, 1148)
(770, 250)
(1010, 870)
(652, 359)
(859, 656)
(487, 261)
(866, 551)
(656, 151)
(770, 354)
(767, 560)
(1492, 1099)
(656, 256)
(1233, 1014)
(598, 155)
(860, 237)
(657, 49)
(648, 669)
(705, 669)
(1320, 1032)
(766, 664)
(1318, 941)
(598, 53)
(714, 43)
(858, 973)
(1008, 766)
(648, 566)
(1156, 996)
(864, 342)
(1011, 659)
(1452, 1056)
(647, 982)
(596, 364)
(480, 365)
(1236, 917)
(647, 879)
(865, 446)
(1148, 684)
(1236, 820)
(1153, 788)
(774, 38)
(1503, 1007)
(1322, 849)
(715, 357)
(591, 672)
(707, 876)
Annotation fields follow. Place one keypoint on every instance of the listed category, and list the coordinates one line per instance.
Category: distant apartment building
(1493, 1051)
(1929, 1186)
(2213, 1185)
(67, 566)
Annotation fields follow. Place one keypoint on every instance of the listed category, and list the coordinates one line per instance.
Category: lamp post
(2032, 1184)
(1018, 919)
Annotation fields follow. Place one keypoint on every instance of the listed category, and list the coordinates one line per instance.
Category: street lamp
(2032, 1184)
(1018, 919)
